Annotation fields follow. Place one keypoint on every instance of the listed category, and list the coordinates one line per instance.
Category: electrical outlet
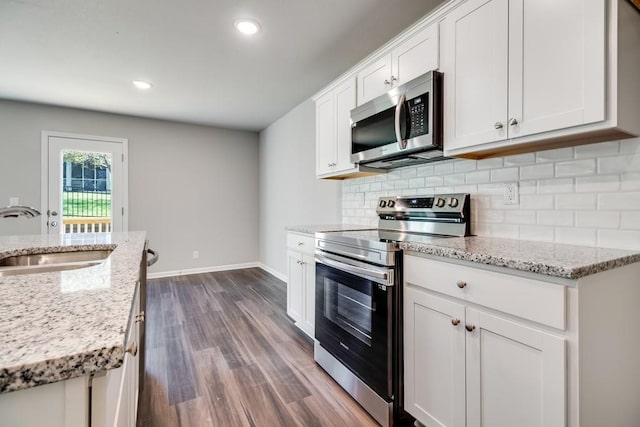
(196, 255)
(511, 195)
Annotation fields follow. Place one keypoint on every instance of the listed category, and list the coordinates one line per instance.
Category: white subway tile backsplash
(598, 219)
(583, 195)
(577, 236)
(538, 233)
(597, 183)
(539, 171)
(464, 165)
(576, 168)
(582, 201)
(520, 159)
(454, 179)
(631, 220)
(554, 155)
(554, 186)
(493, 163)
(597, 150)
(622, 239)
(619, 201)
(555, 217)
(505, 175)
(479, 177)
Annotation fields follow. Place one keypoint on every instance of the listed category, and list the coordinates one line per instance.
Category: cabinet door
(345, 101)
(309, 320)
(374, 79)
(295, 279)
(417, 55)
(515, 374)
(325, 134)
(475, 73)
(434, 365)
(556, 64)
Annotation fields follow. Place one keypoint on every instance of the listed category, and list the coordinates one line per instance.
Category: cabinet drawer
(530, 299)
(302, 243)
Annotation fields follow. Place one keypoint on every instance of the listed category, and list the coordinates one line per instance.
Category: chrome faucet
(16, 211)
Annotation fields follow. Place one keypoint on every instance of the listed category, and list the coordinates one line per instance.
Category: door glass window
(349, 309)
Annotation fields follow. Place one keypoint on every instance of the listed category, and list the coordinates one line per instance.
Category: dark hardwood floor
(221, 351)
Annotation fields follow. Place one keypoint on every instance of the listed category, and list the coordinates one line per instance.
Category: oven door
(354, 308)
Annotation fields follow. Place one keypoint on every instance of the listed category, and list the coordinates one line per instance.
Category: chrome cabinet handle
(470, 328)
(300, 243)
(513, 121)
(401, 142)
(140, 317)
(498, 125)
(331, 164)
(455, 322)
(461, 284)
(132, 349)
(54, 213)
(153, 258)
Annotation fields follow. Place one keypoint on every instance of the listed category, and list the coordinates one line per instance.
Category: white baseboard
(199, 270)
(273, 272)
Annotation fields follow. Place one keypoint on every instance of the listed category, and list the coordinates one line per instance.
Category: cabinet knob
(455, 322)
(132, 349)
(300, 243)
(513, 121)
(461, 284)
(470, 328)
(498, 125)
(386, 82)
(331, 164)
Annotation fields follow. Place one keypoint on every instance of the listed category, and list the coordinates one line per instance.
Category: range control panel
(434, 204)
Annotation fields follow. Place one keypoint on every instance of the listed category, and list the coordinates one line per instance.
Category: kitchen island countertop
(65, 324)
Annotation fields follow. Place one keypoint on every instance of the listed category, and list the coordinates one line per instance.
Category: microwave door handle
(402, 143)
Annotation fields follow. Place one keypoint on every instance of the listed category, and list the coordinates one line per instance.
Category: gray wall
(290, 194)
(190, 187)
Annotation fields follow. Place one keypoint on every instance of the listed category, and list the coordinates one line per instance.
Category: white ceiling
(85, 53)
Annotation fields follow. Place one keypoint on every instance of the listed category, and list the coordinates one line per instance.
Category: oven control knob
(391, 203)
(383, 203)
(440, 203)
(453, 202)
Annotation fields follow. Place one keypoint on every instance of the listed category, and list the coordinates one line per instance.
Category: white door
(345, 101)
(374, 79)
(325, 134)
(475, 66)
(434, 359)
(417, 55)
(556, 64)
(516, 375)
(84, 185)
(295, 279)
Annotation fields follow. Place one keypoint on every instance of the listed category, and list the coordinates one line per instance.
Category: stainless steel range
(359, 297)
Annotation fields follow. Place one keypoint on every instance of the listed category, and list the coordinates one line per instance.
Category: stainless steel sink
(57, 261)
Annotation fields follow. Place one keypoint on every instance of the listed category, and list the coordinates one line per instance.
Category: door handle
(402, 143)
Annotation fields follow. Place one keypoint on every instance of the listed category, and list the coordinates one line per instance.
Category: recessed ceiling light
(247, 26)
(140, 84)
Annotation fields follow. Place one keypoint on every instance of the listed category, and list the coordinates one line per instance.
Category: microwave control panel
(417, 111)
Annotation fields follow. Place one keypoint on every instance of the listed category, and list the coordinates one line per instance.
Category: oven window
(349, 309)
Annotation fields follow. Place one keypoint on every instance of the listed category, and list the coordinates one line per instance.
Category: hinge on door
(122, 157)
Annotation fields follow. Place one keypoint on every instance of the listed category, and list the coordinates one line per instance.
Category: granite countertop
(65, 324)
(551, 259)
(326, 228)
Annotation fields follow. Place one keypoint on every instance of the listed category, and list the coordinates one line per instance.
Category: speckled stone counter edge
(325, 228)
(567, 272)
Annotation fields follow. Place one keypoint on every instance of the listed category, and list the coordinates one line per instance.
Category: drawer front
(530, 299)
(301, 242)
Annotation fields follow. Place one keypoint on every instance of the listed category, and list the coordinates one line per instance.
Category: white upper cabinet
(333, 130)
(412, 57)
(374, 79)
(416, 55)
(527, 75)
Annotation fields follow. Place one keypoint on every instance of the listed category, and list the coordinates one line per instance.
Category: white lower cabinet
(301, 281)
(464, 366)
(503, 348)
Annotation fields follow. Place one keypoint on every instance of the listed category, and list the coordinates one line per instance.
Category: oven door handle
(383, 277)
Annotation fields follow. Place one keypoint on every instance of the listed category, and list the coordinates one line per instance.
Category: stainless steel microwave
(401, 127)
